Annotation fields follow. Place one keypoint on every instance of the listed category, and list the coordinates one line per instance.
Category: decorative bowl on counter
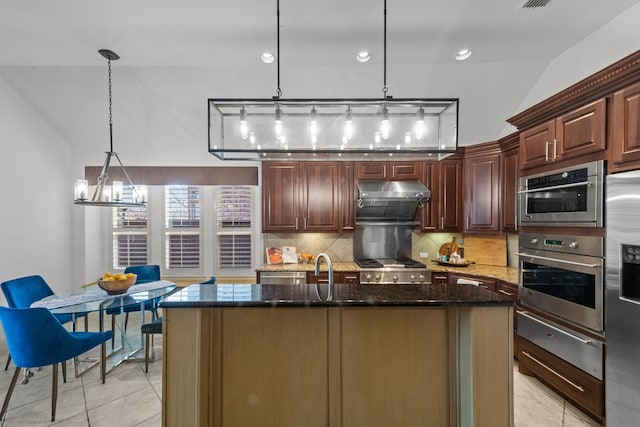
(117, 286)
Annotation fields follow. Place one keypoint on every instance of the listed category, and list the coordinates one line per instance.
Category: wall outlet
(424, 254)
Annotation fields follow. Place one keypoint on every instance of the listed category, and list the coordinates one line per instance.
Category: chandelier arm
(102, 179)
(126, 175)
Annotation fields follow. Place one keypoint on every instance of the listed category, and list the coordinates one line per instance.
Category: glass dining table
(93, 299)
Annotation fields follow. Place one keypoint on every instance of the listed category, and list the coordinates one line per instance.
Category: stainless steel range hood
(390, 201)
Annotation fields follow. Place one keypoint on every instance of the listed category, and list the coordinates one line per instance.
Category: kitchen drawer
(507, 290)
(581, 389)
(579, 350)
(439, 278)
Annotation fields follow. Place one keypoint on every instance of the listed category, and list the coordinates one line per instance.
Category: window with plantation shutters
(234, 227)
(129, 234)
(182, 227)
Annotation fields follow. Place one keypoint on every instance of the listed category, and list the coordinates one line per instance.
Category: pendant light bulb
(244, 128)
(384, 124)
(407, 138)
(348, 124)
(376, 137)
(313, 125)
(419, 130)
(278, 123)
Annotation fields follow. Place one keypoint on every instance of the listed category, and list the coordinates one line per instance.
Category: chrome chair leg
(64, 371)
(12, 385)
(6, 365)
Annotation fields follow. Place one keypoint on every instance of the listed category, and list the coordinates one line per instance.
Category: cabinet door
(482, 193)
(625, 119)
(510, 171)
(372, 171)
(450, 196)
(405, 171)
(348, 195)
(280, 194)
(536, 145)
(320, 203)
(581, 131)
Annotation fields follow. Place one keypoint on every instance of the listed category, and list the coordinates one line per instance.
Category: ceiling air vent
(528, 4)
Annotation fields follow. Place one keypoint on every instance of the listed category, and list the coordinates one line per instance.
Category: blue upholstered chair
(36, 338)
(146, 274)
(23, 291)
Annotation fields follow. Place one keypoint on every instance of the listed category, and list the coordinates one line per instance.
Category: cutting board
(490, 249)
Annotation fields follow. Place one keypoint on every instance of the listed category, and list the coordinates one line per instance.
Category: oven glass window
(560, 200)
(575, 287)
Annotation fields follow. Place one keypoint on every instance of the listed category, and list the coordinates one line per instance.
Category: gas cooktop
(389, 263)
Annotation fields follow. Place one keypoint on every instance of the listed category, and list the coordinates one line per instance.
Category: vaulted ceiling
(175, 55)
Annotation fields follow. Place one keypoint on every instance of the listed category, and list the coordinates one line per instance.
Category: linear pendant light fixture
(105, 193)
(344, 129)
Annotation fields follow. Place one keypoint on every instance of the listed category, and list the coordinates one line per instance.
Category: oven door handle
(523, 313)
(556, 187)
(580, 264)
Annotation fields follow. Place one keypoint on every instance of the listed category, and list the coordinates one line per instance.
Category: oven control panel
(580, 245)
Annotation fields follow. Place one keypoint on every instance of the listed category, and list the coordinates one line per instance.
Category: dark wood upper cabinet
(348, 195)
(482, 193)
(388, 171)
(510, 175)
(320, 202)
(625, 129)
(444, 210)
(582, 131)
(577, 133)
(280, 195)
(300, 196)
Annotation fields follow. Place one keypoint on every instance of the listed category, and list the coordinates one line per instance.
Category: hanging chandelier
(347, 129)
(110, 194)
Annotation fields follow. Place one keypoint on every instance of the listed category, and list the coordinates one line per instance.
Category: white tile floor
(132, 398)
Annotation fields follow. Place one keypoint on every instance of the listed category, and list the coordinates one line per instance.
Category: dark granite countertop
(344, 295)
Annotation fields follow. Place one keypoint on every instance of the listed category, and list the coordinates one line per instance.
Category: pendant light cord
(110, 109)
(278, 91)
(384, 87)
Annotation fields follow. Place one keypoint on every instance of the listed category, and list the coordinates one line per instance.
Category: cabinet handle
(554, 372)
(323, 280)
(441, 222)
(440, 277)
(546, 151)
(554, 148)
(296, 223)
(483, 286)
(468, 222)
(505, 292)
(305, 222)
(350, 277)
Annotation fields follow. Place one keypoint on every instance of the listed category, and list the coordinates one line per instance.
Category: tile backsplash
(340, 246)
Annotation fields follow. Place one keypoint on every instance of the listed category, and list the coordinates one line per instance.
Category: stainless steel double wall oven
(562, 275)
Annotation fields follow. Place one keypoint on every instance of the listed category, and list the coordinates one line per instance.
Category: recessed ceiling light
(363, 56)
(463, 54)
(267, 57)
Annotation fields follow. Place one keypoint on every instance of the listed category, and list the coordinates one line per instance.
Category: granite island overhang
(374, 355)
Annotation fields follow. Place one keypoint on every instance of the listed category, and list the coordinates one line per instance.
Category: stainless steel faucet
(330, 269)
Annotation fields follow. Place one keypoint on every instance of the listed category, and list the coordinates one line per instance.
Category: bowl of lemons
(116, 284)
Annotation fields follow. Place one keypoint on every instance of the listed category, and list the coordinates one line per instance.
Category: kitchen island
(374, 355)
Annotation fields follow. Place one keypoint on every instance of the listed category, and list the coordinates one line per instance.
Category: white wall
(612, 42)
(36, 191)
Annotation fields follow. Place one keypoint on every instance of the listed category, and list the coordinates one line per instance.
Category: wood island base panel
(373, 356)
